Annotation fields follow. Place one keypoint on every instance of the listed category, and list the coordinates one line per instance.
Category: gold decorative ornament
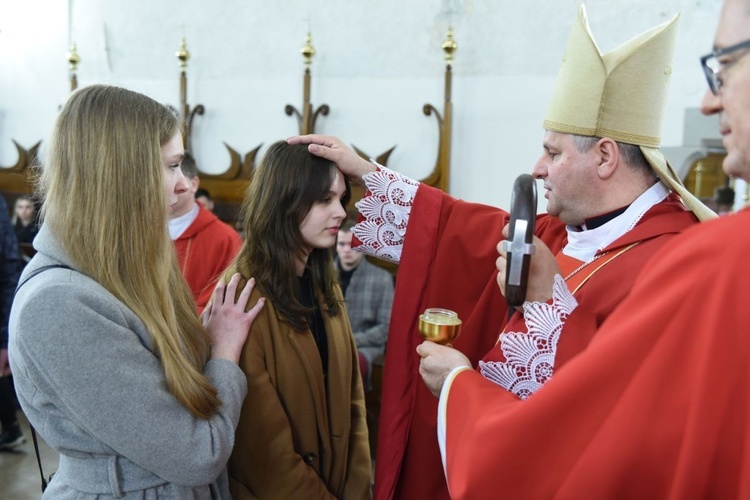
(183, 54)
(185, 112)
(73, 57)
(73, 60)
(699, 171)
(449, 46)
(307, 118)
(307, 50)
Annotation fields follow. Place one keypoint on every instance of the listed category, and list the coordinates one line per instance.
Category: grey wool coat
(90, 383)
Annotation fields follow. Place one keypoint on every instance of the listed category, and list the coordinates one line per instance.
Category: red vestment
(204, 250)
(657, 406)
(448, 261)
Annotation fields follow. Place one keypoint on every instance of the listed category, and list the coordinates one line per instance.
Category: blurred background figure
(368, 292)
(203, 197)
(11, 435)
(25, 224)
(724, 200)
(205, 245)
(710, 202)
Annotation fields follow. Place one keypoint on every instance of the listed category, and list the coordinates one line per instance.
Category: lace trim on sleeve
(530, 357)
(386, 211)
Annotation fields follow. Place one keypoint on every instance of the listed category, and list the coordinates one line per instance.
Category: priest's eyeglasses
(712, 67)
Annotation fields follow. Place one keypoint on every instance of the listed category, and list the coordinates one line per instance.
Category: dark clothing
(315, 319)
(344, 278)
(8, 417)
(26, 234)
(9, 269)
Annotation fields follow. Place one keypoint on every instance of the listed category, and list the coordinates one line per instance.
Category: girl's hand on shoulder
(227, 321)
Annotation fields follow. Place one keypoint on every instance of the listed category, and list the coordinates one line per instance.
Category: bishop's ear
(609, 155)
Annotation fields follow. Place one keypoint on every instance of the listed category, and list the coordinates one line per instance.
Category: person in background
(303, 434)
(25, 224)
(368, 291)
(203, 197)
(205, 245)
(724, 199)
(710, 202)
(10, 432)
(658, 405)
(112, 365)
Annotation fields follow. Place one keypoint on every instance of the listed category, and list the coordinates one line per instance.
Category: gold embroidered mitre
(621, 95)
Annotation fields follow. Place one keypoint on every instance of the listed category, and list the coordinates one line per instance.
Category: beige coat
(292, 441)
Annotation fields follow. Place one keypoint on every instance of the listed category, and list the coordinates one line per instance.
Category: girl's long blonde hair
(105, 201)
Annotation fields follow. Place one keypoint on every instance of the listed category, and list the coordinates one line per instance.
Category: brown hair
(288, 182)
(188, 166)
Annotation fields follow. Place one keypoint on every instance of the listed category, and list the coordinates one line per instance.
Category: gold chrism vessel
(441, 326)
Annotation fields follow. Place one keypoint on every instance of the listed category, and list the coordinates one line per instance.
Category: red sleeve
(448, 261)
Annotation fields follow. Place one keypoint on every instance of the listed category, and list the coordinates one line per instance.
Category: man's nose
(540, 169)
(711, 103)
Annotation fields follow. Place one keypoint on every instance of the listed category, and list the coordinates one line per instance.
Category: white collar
(179, 225)
(583, 245)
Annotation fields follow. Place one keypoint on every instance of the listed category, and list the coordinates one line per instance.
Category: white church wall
(377, 64)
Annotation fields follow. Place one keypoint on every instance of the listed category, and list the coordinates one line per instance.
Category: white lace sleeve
(530, 357)
(386, 211)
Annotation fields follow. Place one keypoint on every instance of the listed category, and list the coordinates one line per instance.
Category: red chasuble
(204, 251)
(448, 261)
(657, 406)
